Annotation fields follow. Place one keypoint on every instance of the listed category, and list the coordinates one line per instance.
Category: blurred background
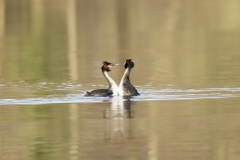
(51, 48)
(171, 41)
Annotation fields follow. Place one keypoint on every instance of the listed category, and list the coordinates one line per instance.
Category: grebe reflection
(118, 117)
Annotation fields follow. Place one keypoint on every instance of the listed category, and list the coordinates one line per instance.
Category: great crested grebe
(112, 89)
(125, 87)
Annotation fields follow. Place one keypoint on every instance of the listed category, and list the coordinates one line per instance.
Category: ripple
(162, 94)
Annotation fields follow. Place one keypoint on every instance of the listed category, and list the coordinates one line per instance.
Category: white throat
(120, 88)
(112, 83)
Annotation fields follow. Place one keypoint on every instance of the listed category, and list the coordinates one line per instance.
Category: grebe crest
(106, 66)
(128, 64)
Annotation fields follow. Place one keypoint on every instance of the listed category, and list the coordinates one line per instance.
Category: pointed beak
(112, 64)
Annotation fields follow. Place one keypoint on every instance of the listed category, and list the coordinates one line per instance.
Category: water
(186, 57)
(113, 129)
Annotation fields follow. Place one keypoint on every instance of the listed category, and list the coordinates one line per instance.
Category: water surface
(186, 57)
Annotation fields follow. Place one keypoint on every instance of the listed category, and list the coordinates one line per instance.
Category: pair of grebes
(124, 89)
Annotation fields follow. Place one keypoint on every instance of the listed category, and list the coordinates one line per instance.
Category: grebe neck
(125, 79)
(126, 74)
(112, 84)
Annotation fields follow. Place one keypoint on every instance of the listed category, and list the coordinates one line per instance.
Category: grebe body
(112, 89)
(125, 87)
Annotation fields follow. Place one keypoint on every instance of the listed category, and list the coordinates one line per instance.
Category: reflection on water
(205, 129)
(73, 123)
(117, 123)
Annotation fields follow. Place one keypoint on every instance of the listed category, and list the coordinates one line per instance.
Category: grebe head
(128, 63)
(106, 66)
